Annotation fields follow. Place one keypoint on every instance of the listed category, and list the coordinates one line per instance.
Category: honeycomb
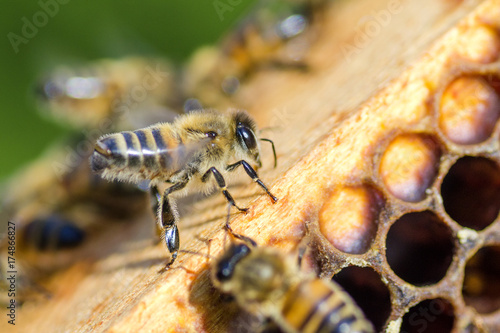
(421, 250)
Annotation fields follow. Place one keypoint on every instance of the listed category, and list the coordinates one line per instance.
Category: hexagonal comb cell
(356, 213)
(433, 315)
(471, 192)
(469, 110)
(409, 165)
(481, 288)
(420, 248)
(366, 288)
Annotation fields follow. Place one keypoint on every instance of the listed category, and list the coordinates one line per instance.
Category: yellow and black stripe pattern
(318, 306)
(268, 283)
(146, 153)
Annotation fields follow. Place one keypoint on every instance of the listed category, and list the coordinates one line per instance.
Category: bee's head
(223, 270)
(246, 137)
(250, 275)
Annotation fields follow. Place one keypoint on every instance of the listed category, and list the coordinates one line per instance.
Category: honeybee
(185, 153)
(122, 93)
(268, 283)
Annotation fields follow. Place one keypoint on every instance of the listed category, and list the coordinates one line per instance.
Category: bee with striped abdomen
(265, 282)
(185, 153)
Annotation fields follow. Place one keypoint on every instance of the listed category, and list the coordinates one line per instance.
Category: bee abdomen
(162, 150)
(145, 150)
(142, 150)
(319, 306)
(109, 153)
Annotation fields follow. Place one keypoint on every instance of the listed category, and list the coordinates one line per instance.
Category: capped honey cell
(409, 165)
(348, 218)
(469, 110)
(480, 44)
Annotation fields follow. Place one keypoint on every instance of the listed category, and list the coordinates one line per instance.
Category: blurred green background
(82, 31)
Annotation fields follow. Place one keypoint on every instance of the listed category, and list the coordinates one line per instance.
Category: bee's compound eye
(247, 136)
(211, 135)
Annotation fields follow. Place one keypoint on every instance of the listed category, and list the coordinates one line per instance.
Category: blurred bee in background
(102, 96)
(55, 208)
(125, 93)
(275, 35)
(270, 284)
(55, 211)
(185, 154)
(49, 233)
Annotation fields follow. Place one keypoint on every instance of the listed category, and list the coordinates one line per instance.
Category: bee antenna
(274, 151)
(197, 253)
(208, 256)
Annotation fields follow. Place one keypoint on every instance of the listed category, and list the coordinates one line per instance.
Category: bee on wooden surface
(125, 93)
(265, 282)
(185, 153)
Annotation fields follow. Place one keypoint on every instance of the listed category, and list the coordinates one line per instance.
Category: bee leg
(230, 231)
(253, 174)
(222, 184)
(156, 202)
(166, 218)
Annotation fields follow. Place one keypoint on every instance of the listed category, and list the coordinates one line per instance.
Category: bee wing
(185, 153)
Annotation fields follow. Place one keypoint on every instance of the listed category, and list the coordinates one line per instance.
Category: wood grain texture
(327, 122)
